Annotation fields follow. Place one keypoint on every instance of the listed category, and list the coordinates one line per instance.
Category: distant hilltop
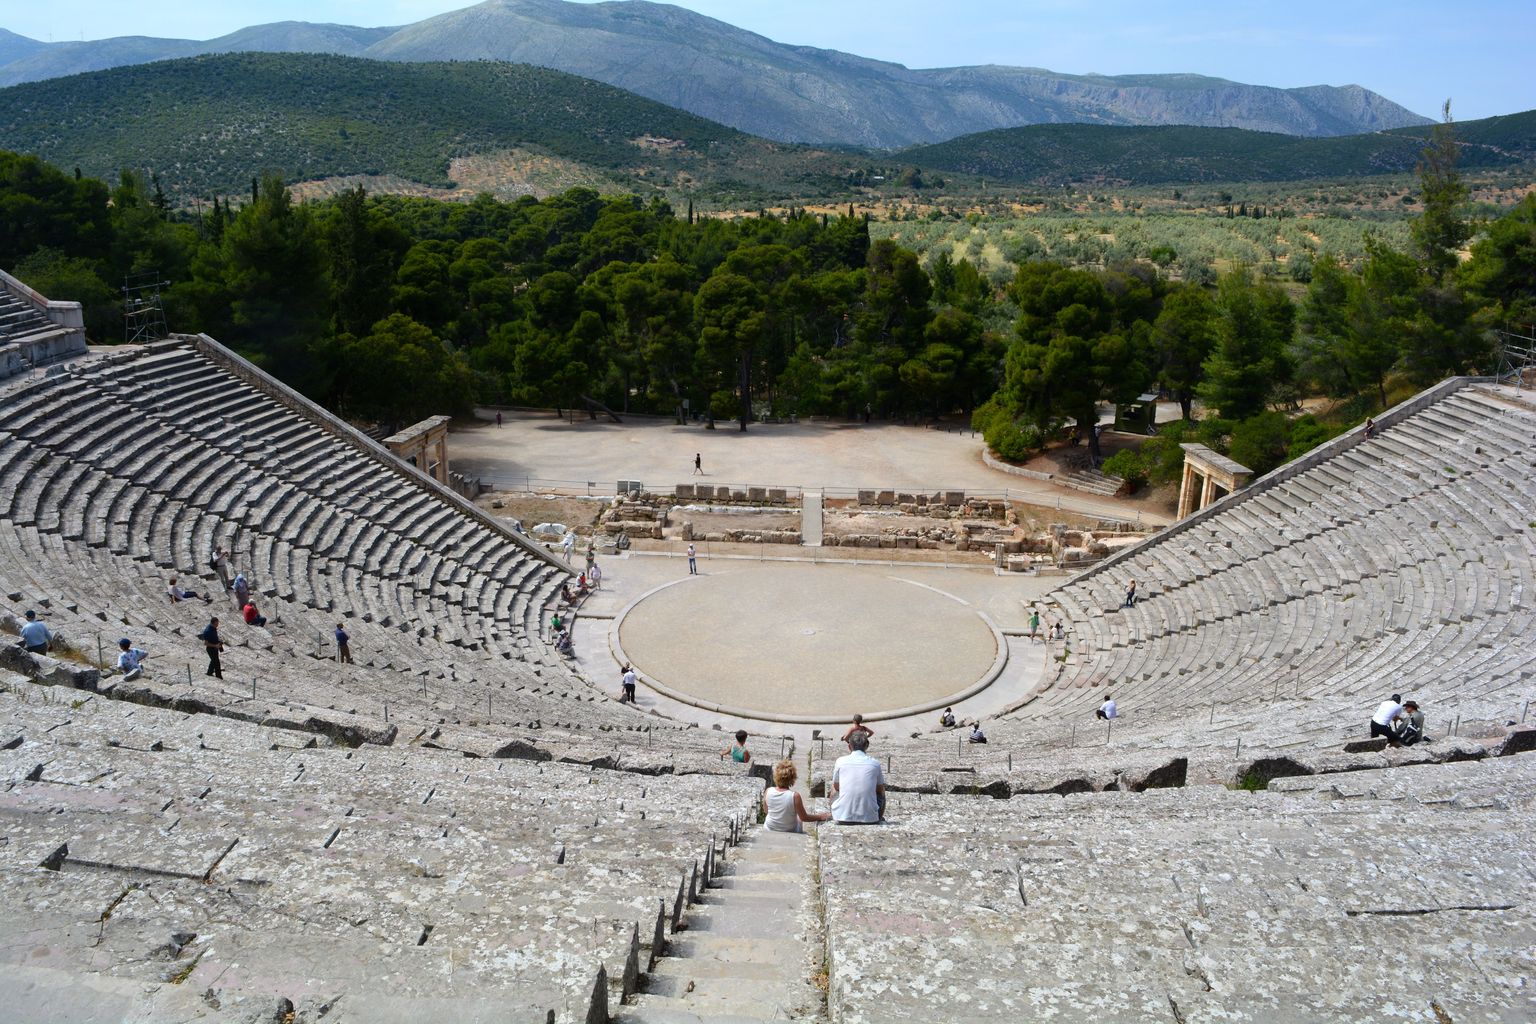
(744, 80)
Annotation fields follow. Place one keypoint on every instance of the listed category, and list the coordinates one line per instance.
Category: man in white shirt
(1386, 713)
(1107, 710)
(858, 785)
(627, 686)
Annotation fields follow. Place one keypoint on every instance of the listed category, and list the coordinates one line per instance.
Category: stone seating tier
(166, 849)
(1200, 904)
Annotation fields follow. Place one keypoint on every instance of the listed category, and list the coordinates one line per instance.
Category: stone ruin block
(886, 498)
(687, 530)
(721, 493)
(739, 496)
(954, 499)
(905, 499)
(684, 491)
(866, 497)
(758, 495)
(776, 495)
(906, 542)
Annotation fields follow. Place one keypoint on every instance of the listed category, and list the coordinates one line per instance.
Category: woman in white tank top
(782, 807)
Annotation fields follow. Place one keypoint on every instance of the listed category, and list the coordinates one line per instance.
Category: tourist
(241, 588)
(947, 719)
(1386, 713)
(1034, 625)
(858, 726)
(567, 594)
(343, 645)
(498, 420)
(252, 616)
(693, 564)
(568, 543)
(563, 643)
(556, 625)
(213, 643)
(739, 752)
(1107, 710)
(130, 659)
(1370, 428)
(178, 595)
(976, 736)
(597, 576)
(698, 464)
(783, 810)
(1130, 595)
(1410, 723)
(1058, 631)
(858, 785)
(627, 686)
(35, 637)
(220, 564)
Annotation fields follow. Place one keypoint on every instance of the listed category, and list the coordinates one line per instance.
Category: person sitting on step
(947, 719)
(130, 659)
(783, 809)
(858, 784)
(858, 726)
(739, 753)
(1409, 726)
(252, 615)
(977, 736)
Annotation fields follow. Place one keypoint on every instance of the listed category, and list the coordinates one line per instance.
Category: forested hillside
(1158, 155)
(389, 308)
(208, 125)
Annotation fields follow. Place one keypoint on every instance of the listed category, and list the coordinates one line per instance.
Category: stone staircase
(1091, 480)
(752, 950)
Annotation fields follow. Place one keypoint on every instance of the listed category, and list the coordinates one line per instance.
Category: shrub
(1128, 466)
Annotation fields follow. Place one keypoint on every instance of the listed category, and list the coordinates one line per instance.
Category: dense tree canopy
(387, 308)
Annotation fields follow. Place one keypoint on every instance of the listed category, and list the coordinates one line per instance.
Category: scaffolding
(143, 315)
(1517, 358)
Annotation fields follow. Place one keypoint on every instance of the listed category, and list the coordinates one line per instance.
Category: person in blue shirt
(35, 636)
(344, 642)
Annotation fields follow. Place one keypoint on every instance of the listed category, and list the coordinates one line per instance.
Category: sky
(1415, 52)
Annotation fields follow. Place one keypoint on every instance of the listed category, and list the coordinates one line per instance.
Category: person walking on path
(783, 810)
(130, 659)
(568, 544)
(213, 643)
(35, 637)
(344, 643)
(858, 785)
(498, 420)
(1034, 625)
(693, 564)
(627, 686)
(698, 463)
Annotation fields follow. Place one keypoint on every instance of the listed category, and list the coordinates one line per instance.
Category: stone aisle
(753, 947)
(810, 519)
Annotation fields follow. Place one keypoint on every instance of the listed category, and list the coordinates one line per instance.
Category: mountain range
(749, 82)
(208, 124)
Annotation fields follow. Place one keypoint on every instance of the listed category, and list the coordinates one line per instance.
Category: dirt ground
(532, 509)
